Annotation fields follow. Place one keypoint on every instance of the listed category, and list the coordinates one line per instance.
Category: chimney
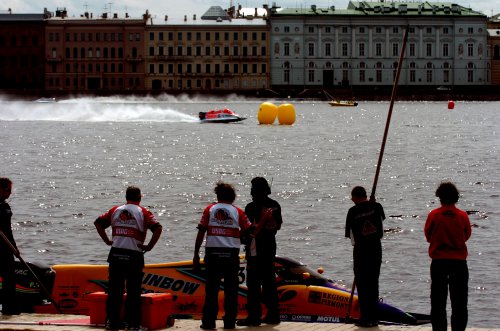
(185, 18)
(194, 17)
(115, 15)
(166, 18)
(255, 13)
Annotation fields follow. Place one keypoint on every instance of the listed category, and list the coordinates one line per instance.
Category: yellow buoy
(267, 113)
(286, 114)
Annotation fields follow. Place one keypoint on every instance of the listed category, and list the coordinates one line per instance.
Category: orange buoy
(451, 104)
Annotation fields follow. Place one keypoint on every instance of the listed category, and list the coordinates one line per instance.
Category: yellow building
(221, 52)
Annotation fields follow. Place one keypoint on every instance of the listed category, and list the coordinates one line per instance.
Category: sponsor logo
(328, 299)
(301, 318)
(328, 319)
(167, 283)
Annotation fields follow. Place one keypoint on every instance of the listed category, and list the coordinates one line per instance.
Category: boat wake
(92, 110)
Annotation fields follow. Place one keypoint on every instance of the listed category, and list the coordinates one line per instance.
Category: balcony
(134, 59)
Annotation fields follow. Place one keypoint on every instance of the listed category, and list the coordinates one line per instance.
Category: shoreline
(404, 93)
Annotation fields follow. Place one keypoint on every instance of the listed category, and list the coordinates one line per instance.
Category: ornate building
(360, 45)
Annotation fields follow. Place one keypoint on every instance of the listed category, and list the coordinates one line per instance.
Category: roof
(215, 13)
(21, 17)
(381, 8)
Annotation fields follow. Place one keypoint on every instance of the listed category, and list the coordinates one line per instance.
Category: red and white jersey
(129, 224)
(223, 222)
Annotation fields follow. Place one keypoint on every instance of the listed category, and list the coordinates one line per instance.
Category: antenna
(86, 5)
(110, 3)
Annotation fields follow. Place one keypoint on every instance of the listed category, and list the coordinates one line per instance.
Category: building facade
(94, 54)
(22, 50)
(494, 48)
(224, 51)
(361, 45)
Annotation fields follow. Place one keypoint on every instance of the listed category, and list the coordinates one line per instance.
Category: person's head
(260, 188)
(358, 194)
(447, 193)
(5, 188)
(133, 194)
(225, 192)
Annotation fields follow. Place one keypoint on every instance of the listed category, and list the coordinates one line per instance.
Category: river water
(72, 160)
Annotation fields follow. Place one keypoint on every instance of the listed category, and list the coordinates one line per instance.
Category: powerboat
(46, 100)
(305, 295)
(219, 116)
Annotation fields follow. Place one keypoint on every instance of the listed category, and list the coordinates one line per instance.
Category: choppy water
(72, 160)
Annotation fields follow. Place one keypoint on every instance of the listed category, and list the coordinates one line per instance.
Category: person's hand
(196, 262)
(144, 248)
(109, 242)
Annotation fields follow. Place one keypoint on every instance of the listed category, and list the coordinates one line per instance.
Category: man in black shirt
(7, 270)
(364, 227)
(265, 215)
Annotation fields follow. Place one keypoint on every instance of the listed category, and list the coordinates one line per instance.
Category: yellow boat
(305, 295)
(343, 103)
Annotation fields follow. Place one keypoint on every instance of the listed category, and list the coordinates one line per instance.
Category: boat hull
(304, 295)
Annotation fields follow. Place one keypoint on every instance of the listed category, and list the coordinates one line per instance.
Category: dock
(46, 322)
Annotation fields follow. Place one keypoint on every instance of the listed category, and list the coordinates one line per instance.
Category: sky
(175, 9)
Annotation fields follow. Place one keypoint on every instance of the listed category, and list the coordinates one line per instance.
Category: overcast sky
(179, 8)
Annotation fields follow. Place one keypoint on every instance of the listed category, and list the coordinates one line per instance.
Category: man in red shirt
(129, 224)
(447, 229)
(222, 222)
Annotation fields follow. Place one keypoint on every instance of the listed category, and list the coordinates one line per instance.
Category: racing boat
(305, 295)
(219, 116)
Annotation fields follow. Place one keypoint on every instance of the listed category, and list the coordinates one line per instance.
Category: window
(429, 72)
(286, 49)
(412, 72)
(328, 49)
(395, 49)
(345, 49)
(287, 29)
(446, 30)
(470, 49)
(378, 49)
(151, 68)
(328, 29)
(446, 50)
(311, 29)
(378, 29)
(310, 47)
(412, 49)
(361, 49)
(311, 72)
(345, 29)
(362, 75)
(428, 49)
(378, 72)
(470, 72)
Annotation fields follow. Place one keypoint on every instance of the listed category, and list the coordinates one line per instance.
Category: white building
(360, 46)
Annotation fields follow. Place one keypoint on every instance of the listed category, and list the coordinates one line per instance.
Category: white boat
(46, 100)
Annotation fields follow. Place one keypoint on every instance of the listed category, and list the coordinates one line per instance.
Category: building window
(328, 49)
(328, 29)
(287, 29)
(470, 72)
(446, 30)
(310, 47)
(412, 49)
(429, 72)
(361, 49)
(413, 76)
(395, 49)
(378, 49)
(345, 49)
(428, 48)
(286, 49)
(311, 29)
(446, 50)
(378, 72)
(470, 49)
